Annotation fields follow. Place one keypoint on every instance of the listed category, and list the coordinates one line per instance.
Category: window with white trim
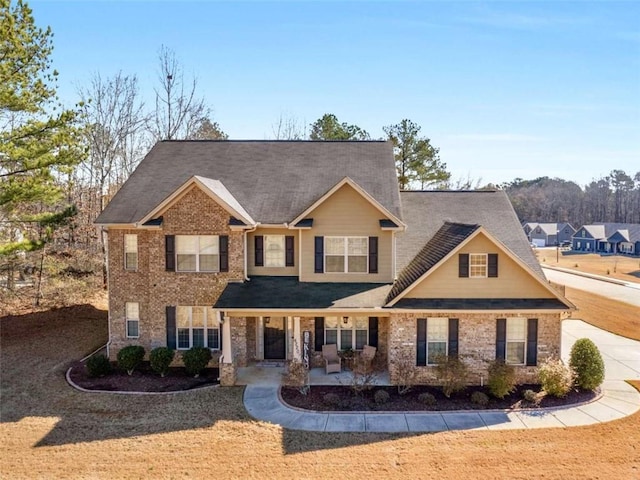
(132, 319)
(346, 332)
(346, 254)
(130, 251)
(437, 339)
(197, 253)
(516, 341)
(274, 251)
(197, 327)
(477, 265)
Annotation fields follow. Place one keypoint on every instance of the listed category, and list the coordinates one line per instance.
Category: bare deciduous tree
(288, 127)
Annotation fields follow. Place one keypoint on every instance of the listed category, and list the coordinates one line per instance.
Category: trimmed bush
(480, 398)
(331, 398)
(556, 377)
(195, 360)
(427, 399)
(381, 397)
(587, 362)
(130, 357)
(502, 379)
(160, 358)
(99, 366)
(452, 372)
(530, 396)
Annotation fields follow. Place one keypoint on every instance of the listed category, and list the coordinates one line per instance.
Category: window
(197, 253)
(477, 265)
(437, 338)
(516, 340)
(346, 254)
(130, 252)
(274, 250)
(132, 315)
(197, 327)
(346, 332)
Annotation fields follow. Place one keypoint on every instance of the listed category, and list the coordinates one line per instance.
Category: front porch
(272, 375)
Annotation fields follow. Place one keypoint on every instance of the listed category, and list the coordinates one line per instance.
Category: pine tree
(39, 142)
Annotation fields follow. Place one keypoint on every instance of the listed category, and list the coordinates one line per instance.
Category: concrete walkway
(622, 361)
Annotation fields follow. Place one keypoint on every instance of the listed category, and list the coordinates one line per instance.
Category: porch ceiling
(288, 292)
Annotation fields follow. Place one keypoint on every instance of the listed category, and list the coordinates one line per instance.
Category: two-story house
(549, 234)
(256, 249)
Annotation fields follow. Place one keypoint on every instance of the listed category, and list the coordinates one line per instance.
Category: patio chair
(332, 362)
(368, 352)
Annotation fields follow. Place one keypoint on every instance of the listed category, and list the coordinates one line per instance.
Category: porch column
(297, 346)
(228, 371)
(227, 356)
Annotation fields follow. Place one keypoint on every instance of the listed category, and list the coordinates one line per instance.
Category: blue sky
(504, 89)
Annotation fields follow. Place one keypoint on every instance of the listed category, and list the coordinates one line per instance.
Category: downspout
(245, 253)
(393, 255)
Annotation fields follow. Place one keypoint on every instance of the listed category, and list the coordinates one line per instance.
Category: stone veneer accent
(476, 343)
(228, 374)
(152, 286)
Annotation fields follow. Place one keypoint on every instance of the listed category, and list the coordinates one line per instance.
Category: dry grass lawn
(49, 430)
(616, 317)
(614, 266)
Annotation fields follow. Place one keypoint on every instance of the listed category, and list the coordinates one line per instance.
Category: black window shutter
(289, 250)
(259, 254)
(224, 253)
(373, 332)
(493, 265)
(319, 255)
(532, 342)
(319, 334)
(171, 327)
(453, 337)
(373, 254)
(501, 338)
(421, 353)
(463, 265)
(170, 252)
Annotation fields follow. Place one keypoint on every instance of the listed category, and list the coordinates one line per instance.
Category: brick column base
(228, 374)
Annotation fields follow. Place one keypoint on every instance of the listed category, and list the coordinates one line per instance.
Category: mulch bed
(315, 399)
(143, 379)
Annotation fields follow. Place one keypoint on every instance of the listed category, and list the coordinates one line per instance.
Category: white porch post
(297, 340)
(227, 356)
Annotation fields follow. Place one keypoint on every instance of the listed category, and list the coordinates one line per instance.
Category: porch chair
(332, 362)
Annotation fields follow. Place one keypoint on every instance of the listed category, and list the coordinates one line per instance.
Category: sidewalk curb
(589, 275)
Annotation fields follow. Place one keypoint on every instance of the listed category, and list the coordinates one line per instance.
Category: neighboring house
(549, 234)
(608, 238)
(265, 250)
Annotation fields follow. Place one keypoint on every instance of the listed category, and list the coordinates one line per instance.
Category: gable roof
(274, 181)
(446, 239)
(551, 228)
(603, 231)
(425, 212)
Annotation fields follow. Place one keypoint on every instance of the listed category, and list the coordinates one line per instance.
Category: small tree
(556, 378)
(452, 373)
(195, 360)
(362, 376)
(404, 366)
(130, 357)
(160, 358)
(587, 362)
(502, 378)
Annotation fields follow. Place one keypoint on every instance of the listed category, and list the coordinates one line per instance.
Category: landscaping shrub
(130, 357)
(480, 398)
(195, 360)
(381, 397)
(427, 399)
(452, 372)
(587, 362)
(296, 376)
(404, 366)
(556, 377)
(331, 398)
(502, 379)
(530, 396)
(99, 366)
(160, 358)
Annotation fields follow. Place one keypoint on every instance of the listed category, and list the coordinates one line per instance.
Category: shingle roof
(273, 180)
(288, 292)
(602, 231)
(426, 212)
(447, 238)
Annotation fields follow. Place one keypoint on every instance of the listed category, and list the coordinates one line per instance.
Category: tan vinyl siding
(272, 271)
(347, 213)
(513, 281)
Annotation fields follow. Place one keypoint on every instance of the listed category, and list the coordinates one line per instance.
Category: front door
(274, 338)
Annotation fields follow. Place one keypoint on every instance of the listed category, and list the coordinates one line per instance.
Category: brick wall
(152, 286)
(476, 344)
